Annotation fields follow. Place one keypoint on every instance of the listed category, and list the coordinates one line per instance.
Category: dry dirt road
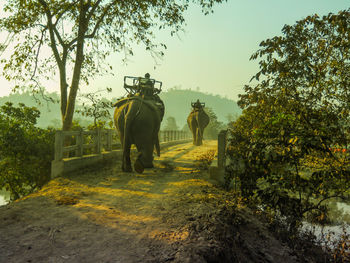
(171, 213)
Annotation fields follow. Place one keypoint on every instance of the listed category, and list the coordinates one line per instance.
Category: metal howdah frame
(132, 84)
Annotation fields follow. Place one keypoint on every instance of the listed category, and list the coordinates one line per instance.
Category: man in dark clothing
(197, 105)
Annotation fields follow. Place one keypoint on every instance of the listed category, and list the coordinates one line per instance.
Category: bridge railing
(84, 143)
(77, 149)
(167, 136)
(100, 140)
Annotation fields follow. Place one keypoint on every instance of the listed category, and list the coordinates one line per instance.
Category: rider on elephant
(145, 90)
(145, 87)
(197, 105)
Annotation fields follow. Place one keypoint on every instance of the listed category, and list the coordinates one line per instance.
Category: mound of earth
(171, 213)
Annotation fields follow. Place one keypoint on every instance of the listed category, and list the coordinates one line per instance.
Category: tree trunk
(68, 118)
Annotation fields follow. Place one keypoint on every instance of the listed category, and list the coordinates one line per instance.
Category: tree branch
(51, 31)
(37, 54)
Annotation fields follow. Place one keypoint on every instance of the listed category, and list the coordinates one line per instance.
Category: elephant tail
(157, 145)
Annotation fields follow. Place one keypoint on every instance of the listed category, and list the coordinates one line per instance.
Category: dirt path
(171, 213)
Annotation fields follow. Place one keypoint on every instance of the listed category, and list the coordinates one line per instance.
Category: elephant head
(197, 120)
(138, 121)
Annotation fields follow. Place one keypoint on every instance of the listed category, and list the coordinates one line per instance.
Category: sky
(212, 55)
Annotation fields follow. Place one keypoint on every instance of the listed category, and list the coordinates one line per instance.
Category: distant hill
(49, 112)
(177, 104)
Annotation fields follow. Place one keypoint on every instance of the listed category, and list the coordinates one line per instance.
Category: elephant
(137, 121)
(197, 120)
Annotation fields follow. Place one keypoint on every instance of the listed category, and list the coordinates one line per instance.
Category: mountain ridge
(177, 104)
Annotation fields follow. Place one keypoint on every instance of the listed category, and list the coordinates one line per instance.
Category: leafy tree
(80, 34)
(214, 126)
(281, 145)
(25, 150)
(98, 108)
(170, 124)
(185, 128)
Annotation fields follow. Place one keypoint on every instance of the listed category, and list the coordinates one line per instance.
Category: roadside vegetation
(26, 151)
(289, 148)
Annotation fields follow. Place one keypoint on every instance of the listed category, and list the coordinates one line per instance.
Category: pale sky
(213, 54)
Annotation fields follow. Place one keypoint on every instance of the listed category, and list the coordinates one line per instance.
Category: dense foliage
(93, 105)
(26, 151)
(214, 127)
(282, 146)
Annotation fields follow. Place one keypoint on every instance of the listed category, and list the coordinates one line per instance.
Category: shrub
(26, 151)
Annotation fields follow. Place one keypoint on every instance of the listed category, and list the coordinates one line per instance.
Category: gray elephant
(137, 121)
(197, 120)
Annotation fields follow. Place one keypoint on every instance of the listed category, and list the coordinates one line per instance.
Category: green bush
(26, 151)
(292, 119)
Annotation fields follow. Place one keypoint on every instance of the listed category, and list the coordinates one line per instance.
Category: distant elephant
(137, 121)
(197, 120)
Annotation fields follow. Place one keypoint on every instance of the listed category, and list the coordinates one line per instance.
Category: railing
(77, 149)
(95, 141)
(167, 136)
(100, 140)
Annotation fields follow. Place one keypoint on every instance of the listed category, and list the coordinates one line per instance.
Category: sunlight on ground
(112, 217)
(61, 186)
(169, 236)
(190, 183)
(137, 203)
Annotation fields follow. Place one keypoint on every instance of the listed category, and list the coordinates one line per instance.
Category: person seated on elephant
(197, 105)
(146, 86)
(145, 89)
(148, 92)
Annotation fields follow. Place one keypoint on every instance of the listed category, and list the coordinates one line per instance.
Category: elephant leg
(145, 156)
(194, 134)
(198, 137)
(138, 166)
(126, 165)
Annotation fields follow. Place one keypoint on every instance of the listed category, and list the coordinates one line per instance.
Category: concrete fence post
(161, 136)
(58, 145)
(98, 141)
(79, 142)
(222, 148)
(109, 140)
